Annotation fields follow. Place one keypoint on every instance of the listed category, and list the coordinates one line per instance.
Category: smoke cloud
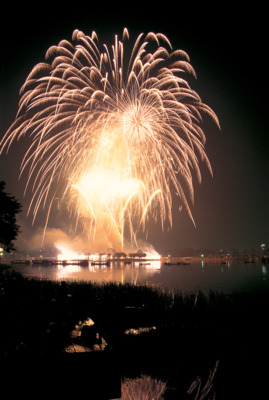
(33, 240)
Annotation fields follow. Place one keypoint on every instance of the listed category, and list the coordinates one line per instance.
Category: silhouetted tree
(9, 229)
(138, 254)
(120, 254)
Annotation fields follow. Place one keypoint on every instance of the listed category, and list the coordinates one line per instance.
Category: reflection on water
(200, 275)
(121, 272)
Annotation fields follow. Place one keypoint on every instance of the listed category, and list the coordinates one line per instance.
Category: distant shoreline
(166, 259)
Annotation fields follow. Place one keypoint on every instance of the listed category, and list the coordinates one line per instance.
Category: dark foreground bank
(85, 338)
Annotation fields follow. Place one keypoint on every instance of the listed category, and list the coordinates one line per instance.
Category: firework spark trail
(88, 108)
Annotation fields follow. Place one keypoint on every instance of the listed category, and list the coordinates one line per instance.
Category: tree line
(9, 229)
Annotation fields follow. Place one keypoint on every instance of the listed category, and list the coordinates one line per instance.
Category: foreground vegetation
(173, 337)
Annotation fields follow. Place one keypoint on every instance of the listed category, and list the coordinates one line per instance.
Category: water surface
(227, 278)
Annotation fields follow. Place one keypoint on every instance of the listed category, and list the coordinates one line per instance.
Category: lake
(199, 275)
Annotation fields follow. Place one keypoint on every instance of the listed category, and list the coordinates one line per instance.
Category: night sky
(228, 50)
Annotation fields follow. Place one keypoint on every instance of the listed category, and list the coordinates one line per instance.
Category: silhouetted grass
(191, 331)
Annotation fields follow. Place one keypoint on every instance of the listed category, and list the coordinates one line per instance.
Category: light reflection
(138, 331)
(156, 265)
(206, 275)
(134, 272)
(67, 270)
(264, 273)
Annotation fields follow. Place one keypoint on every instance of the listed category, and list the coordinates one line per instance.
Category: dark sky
(228, 49)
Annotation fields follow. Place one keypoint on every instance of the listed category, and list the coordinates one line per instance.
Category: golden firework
(114, 130)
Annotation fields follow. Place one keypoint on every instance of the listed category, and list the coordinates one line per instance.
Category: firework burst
(113, 131)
